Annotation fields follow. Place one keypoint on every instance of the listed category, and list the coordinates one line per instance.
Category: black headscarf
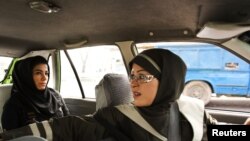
(170, 70)
(42, 102)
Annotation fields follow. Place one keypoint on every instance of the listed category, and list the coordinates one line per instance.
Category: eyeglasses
(141, 78)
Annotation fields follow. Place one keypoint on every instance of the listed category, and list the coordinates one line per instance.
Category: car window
(4, 65)
(212, 72)
(91, 64)
(51, 78)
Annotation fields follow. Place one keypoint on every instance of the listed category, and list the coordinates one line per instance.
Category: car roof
(95, 22)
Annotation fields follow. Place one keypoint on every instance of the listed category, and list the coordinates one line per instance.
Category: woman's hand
(247, 122)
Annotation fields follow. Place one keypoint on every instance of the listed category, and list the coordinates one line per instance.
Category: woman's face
(144, 90)
(40, 76)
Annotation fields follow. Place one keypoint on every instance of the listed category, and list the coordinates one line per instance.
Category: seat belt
(174, 133)
(133, 114)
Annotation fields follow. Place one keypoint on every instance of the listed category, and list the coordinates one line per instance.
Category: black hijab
(170, 70)
(42, 102)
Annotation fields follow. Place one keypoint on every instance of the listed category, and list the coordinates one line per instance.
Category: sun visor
(44, 53)
(222, 31)
(238, 46)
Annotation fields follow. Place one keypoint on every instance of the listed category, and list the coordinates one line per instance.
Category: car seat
(112, 90)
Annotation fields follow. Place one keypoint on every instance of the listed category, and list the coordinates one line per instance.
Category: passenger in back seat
(31, 100)
(157, 80)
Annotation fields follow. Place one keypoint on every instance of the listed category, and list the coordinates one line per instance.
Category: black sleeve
(111, 119)
(73, 128)
(65, 108)
(10, 117)
(70, 128)
(15, 133)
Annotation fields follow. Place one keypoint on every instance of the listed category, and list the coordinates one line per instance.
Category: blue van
(207, 74)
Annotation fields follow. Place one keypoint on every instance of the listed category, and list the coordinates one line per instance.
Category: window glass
(212, 71)
(51, 78)
(91, 64)
(69, 86)
(4, 65)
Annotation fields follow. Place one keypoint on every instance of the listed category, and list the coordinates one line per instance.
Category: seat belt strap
(174, 133)
(133, 114)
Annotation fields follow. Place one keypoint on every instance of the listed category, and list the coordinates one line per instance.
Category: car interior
(53, 28)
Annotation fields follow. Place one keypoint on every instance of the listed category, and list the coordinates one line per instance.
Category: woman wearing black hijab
(157, 80)
(31, 100)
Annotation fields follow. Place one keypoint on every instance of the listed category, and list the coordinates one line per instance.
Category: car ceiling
(107, 21)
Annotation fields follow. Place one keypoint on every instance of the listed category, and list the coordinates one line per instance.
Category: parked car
(227, 74)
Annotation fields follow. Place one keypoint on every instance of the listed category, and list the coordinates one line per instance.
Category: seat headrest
(114, 89)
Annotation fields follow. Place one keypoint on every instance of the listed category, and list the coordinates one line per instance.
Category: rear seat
(5, 91)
